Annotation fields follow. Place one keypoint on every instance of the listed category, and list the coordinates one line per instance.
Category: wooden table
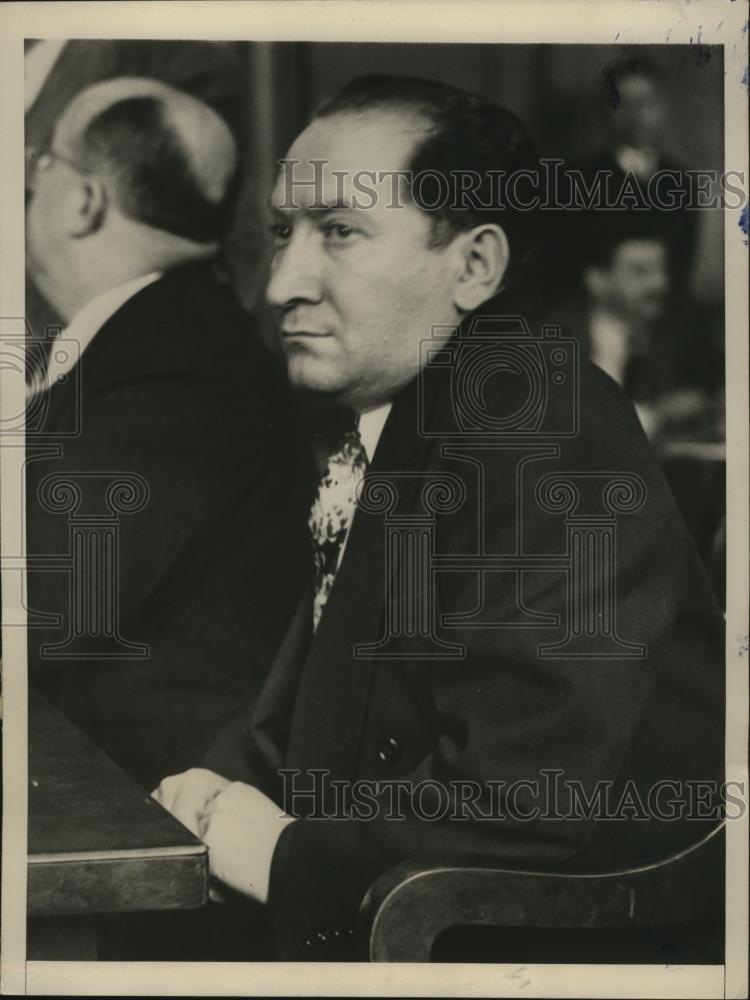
(97, 843)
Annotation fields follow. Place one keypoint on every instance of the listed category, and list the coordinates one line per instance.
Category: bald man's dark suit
(177, 389)
(500, 712)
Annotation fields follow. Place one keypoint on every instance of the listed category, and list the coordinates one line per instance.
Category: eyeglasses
(38, 160)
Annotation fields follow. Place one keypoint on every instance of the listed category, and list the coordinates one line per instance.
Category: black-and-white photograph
(371, 558)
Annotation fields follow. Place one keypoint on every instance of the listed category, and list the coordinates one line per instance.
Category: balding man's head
(138, 177)
(170, 161)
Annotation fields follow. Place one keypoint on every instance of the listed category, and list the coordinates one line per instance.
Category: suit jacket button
(317, 940)
(388, 750)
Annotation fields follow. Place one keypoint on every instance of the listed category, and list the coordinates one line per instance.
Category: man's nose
(295, 273)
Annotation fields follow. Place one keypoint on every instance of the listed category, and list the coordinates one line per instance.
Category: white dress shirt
(611, 344)
(84, 326)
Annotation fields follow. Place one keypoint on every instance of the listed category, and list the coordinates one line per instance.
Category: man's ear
(484, 255)
(86, 207)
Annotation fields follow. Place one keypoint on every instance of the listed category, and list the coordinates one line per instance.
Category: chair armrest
(409, 906)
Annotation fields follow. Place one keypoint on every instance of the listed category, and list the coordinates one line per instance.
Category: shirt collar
(371, 427)
(642, 162)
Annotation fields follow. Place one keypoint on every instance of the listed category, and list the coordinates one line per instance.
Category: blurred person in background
(128, 203)
(627, 285)
(630, 322)
(631, 154)
(625, 319)
(638, 112)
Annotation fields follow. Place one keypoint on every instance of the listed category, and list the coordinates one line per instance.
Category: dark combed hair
(630, 68)
(133, 141)
(641, 65)
(465, 132)
(604, 232)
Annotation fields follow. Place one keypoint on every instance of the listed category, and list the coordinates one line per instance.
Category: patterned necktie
(331, 514)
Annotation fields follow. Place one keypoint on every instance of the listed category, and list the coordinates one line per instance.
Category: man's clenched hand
(188, 795)
(239, 825)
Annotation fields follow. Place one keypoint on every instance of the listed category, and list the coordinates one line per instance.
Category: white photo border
(712, 22)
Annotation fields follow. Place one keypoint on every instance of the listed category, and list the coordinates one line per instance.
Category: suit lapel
(335, 682)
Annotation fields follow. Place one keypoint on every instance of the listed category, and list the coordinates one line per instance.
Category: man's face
(637, 120)
(51, 180)
(356, 288)
(637, 280)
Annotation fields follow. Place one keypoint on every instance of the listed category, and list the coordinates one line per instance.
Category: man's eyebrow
(317, 208)
(334, 206)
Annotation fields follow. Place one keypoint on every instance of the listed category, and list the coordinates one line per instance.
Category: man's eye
(280, 231)
(339, 232)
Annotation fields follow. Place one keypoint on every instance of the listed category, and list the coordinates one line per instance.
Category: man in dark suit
(168, 479)
(517, 594)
